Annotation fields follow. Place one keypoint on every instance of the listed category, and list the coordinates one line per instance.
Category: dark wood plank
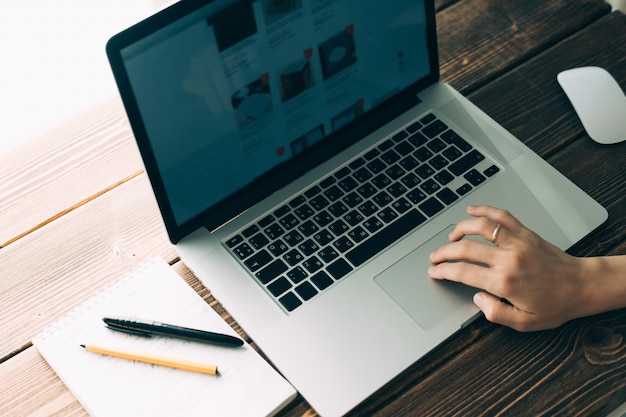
(481, 39)
(543, 118)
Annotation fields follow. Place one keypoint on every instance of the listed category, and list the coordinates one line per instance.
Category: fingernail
(431, 270)
(431, 256)
(479, 299)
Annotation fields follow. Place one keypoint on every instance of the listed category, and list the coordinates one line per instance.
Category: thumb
(497, 311)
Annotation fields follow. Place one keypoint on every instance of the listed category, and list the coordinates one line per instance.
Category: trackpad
(425, 299)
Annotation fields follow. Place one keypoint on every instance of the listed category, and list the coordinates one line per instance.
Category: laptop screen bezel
(281, 175)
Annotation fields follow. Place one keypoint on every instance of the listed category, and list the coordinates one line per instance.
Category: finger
(496, 215)
(497, 311)
(466, 250)
(464, 272)
(480, 226)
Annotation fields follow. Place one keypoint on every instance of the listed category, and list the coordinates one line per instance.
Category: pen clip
(128, 331)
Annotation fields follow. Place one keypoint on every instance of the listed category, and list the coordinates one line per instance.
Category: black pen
(154, 328)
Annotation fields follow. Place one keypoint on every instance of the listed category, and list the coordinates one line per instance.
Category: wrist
(603, 283)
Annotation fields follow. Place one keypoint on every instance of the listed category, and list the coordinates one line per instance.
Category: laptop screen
(232, 99)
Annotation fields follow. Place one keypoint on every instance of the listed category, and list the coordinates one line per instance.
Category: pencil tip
(82, 346)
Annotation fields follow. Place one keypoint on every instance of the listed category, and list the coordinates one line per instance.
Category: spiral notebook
(106, 386)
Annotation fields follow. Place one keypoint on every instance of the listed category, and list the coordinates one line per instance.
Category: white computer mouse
(599, 102)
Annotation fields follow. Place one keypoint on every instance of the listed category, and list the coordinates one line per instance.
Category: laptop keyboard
(305, 246)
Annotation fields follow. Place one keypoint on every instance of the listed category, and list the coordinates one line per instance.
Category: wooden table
(77, 212)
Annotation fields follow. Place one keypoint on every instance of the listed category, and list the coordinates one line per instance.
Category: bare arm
(544, 286)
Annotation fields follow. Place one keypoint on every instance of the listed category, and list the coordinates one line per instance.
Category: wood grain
(90, 217)
(68, 164)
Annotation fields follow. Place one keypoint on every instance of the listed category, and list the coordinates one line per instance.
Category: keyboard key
(280, 212)
(436, 145)
(423, 154)
(464, 189)
(334, 193)
(430, 187)
(424, 171)
(323, 238)
(234, 241)
(297, 274)
(416, 196)
(271, 271)
(371, 154)
(312, 264)
(348, 184)
(491, 171)
(337, 209)
(306, 291)
(312, 192)
(466, 162)
(339, 269)
(387, 215)
(431, 206)
(373, 224)
(402, 205)
(279, 286)
(243, 251)
(342, 173)
(297, 201)
(394, 231)
(357, 163)
(353, 218)
(293, 257)
(447, 196)
(323, 218)
(352, 199)
(328, 254)
(474, 177)
(404, 148)
(438, 162)
(385, 145)
(381, 181)
(258, 260)
(395, 172)
(293, 238)
(274, 230)
(338, 228)
(277, 248)
(308, 247)
(414, 127)
(343, 244)
(304, 212)
(362, 175)
(358, 234)
(327, 182)
(400, 135)
(259, 240)
(428, 118)
(322, 280)
(290, 301)
(452, 153)
(434, 128)
(376, 166)
(319, 202)
(444, 177)
(289, 221)
(308, 228)
(368, 208)
(452, 138)
(410, 180)
(409, 163)
(418, 140)
(390, 157)
(250, 231)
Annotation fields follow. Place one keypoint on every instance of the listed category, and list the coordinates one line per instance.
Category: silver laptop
(306, 159)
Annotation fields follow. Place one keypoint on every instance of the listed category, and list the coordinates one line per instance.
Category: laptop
(306, 158)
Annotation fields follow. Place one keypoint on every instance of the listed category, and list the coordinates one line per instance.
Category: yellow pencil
(155, 359)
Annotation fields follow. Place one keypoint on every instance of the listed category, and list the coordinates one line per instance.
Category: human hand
(529, 283)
